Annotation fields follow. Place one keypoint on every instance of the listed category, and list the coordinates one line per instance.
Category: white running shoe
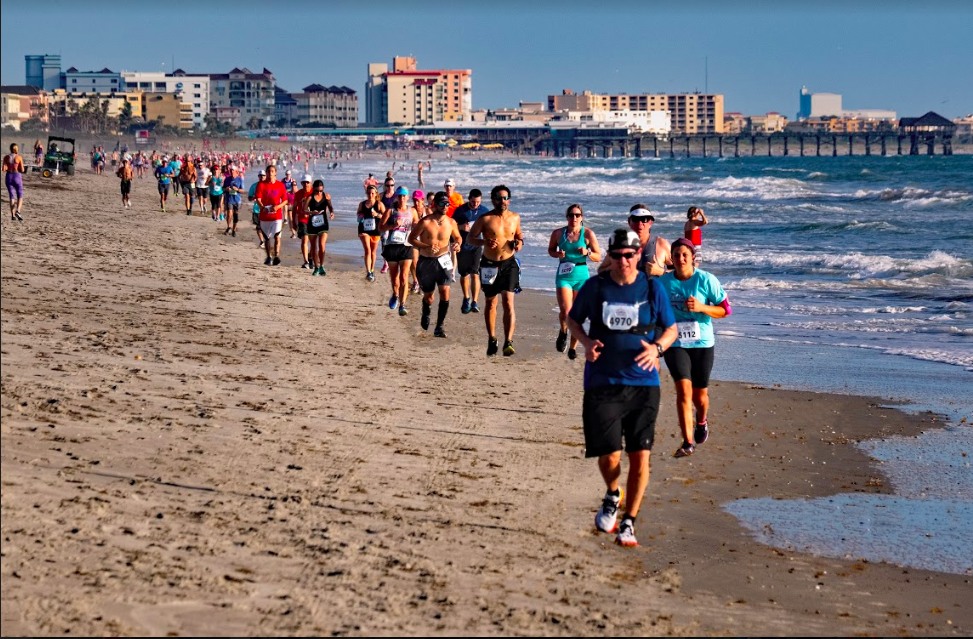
(607, 518)
(626, 534)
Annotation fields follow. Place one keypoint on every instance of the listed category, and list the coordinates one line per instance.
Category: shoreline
(212, 468)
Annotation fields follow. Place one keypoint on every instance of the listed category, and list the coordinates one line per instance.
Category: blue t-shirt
(163, 174)
(235, 183)
(601, 299)
(466, 215)
(707, 289)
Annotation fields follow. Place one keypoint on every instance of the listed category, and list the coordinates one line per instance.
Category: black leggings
(690, 363)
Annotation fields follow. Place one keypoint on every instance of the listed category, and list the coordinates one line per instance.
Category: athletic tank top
(403, 226)
(648, 255)
(369, 211)
(316, 207)
(10, 163)
(572, 250)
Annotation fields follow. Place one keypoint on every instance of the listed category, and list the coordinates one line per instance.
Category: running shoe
(393, 302)
(403, 311)
(370, 277)
(424, 321)
(492, 347)
(233, 233)
(685, 450)
(19, 216)
(263, 244)
(163, 209)
(701, 433)
(385, 268)
(572, 353)
(466, 306)
(561, 342)
(189, 212)
(474, 307)
(415, 288)
(626, 534)
(439, 332)
(268, 262)
(306, 266)
(606, 520)
(276, 261)
(323, 272)
(226, 232)
(508, 348)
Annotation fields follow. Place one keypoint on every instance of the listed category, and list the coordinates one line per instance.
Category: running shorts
(499, 277)
(163, 189)
(215, 201)
(468, 261)
(430, 273)
(694, 364)
(202, 191)
(187, 188)
(397, 253)
(570, 275)
(612, 412)
(272, 228)
(126, 186)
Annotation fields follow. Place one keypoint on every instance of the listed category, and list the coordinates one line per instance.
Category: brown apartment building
(691, 112)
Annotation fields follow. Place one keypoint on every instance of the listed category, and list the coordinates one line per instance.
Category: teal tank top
(572, 250)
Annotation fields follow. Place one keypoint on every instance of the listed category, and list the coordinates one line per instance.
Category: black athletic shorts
(215, 201)
(126, 187)
(188, 188)
(397, 253)
(431, 274)
(468, 261)
(202, 191)
(506, 278)
(690, 363)
(163, 189)
(301, 229)
(611, 412)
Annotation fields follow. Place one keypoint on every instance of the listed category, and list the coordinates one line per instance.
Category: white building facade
(190, 89)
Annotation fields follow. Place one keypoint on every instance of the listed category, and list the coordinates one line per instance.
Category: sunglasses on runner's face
(504, 198)
(570, 215)
(619, 255)
(640, 220)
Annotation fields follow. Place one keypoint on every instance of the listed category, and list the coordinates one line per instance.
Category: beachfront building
(43, 71)
(734, 123)
(88, 82)
(654, 122)
(828, 105)
(690, 113)
(318, 105)
(22, 103)
(407, 95)
(285, 108)
(169, 109)
(773, 122)
(251, 93)
(840, 125)
(190, 89)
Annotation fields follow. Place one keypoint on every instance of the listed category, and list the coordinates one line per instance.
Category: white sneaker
(626, 534)
(606, 519)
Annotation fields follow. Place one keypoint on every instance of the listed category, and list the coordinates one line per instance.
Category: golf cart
(59, 157)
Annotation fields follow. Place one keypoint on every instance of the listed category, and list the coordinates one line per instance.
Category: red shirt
(299, 204)
(455, 201)
(270, 194)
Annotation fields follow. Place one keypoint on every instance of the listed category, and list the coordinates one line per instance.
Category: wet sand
(193, 443)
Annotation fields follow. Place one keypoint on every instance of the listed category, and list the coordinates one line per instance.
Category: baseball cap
(418, 195)
(287, 172)
(441, 199)
(642, 213)
(624, 238)
(449, 182)
(307, 178)
(262, 172)
(401, 191)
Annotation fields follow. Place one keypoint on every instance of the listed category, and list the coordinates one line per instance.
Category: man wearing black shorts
(434, 236)
(621, 377)
(498, 232)
(468, 258)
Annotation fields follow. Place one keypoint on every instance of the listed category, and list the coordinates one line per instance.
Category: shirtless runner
(434, 235)
(498, 232)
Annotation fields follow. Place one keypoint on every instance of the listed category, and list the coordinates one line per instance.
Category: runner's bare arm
(594, 250)
(552, 248)
(474, 235)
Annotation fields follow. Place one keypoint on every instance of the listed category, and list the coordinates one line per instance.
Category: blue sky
(909, 57)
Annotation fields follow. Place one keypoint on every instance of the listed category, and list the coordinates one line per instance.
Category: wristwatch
(659, 346)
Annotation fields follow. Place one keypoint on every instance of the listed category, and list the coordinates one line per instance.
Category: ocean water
(850, 275)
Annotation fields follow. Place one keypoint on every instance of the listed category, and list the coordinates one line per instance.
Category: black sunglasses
(627, 255)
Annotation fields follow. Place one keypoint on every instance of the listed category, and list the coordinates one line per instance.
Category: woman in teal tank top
(573, 246)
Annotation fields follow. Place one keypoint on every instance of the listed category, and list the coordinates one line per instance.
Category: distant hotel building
(241, 95)
(690, 112)
(327, 106)
(409, 96)
(43, 71)
(828, 105)
(189, 89)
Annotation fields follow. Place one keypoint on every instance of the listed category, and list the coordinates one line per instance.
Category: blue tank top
(572, 250)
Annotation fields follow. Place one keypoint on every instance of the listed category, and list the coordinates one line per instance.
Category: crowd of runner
(647, 300)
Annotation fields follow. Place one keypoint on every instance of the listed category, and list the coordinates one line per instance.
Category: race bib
(445, 262)
(688, 333)
(317, 220)
(269, 210)
(488, 274)
(397, 237)
(565, 268)
(368, 224)
(620, 317)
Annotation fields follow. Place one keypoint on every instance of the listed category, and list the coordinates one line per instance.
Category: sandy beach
(193, 443)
